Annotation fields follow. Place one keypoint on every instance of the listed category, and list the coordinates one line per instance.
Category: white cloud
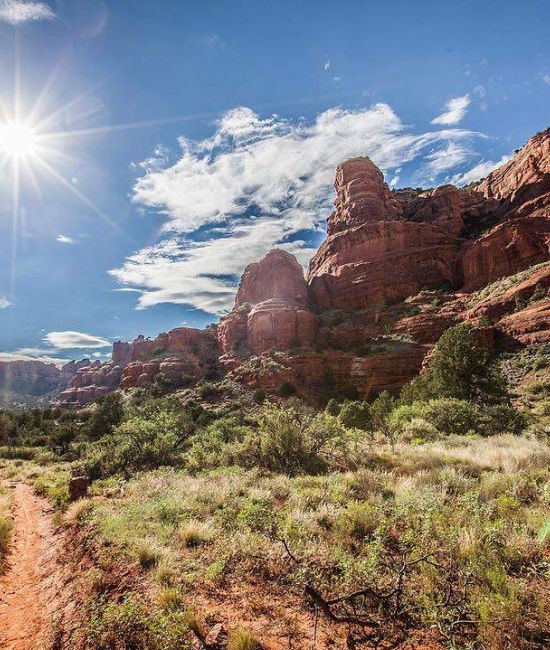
(17, 12)
(481, 170)
(4, 303)
(63, 239)
(455, 110)
(442, 160)
(546, 78)
(259, 183)
(17, 355)
(69, 339)
(327, 65)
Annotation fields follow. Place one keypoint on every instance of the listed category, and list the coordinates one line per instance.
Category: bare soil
(31, 584)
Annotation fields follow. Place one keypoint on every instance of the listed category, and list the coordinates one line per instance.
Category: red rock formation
(361, 193)
(29, 377)
(278, 275)
(508, 248)
(281, 326)
(524, 181)
(382, 247)
(529, 326)
(380, 262)
(122, 353)
(178, 357)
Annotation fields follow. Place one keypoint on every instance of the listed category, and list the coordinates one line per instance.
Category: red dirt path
(30, 584)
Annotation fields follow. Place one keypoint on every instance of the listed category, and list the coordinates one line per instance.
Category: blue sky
(179, 141)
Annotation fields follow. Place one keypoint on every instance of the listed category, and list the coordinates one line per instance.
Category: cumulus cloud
(455, 110)
(63, 239)
(17, 12)
(4, 303)
(70, 339)
(257, 183)
(479, 171)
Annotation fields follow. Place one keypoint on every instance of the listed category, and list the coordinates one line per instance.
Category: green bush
(459, 417)
(134, 625)
(356, 415)
(286, 389)
(136, 445)
(293, 440)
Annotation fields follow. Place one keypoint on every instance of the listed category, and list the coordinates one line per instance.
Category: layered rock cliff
(397, 268)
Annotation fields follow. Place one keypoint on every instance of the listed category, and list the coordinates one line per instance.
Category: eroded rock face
(281, 326)
(384, 246)
(278, 276)
(177, 358)
(510, 247)
(524, 181)
(380, 262)
(361, 194)
(396, 270)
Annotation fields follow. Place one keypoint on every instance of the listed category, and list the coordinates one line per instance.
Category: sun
(18, 140)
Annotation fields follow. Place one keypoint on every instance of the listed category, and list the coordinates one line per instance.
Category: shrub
(133, 625)
(286, 389)
(356, 415)
(453, 416)
(333, 408)
(259, 396)
(147, 439)
(5, 535)
(294, 439)
(418, 430)
(242, 639)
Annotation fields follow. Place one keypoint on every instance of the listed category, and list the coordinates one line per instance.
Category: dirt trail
(31, 584)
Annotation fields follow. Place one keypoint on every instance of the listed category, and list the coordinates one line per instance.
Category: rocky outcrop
(523, 183)
(384, 246)
(175, 358)
(396, 270)
(278, 325)
(380, 262)
(508, 248)
(277, 276)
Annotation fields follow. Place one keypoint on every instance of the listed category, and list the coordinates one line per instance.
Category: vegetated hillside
(359, 459)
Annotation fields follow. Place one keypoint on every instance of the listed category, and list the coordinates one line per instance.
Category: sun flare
(18, 140)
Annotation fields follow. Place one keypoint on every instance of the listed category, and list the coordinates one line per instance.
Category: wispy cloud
(455, 110)
(257, 183)
(20, 355)
(17, 12)
(479, 171)
(4, 303)
(545, 78)
(63, 239)
(70, 339)
(327, 65)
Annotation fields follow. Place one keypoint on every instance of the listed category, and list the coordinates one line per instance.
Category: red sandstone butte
(398, 267)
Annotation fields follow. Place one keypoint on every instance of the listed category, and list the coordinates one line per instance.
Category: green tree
(461, 367)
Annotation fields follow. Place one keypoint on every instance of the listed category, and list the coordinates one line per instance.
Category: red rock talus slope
(396, 270)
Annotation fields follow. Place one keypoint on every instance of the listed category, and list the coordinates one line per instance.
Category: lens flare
(18, 140)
